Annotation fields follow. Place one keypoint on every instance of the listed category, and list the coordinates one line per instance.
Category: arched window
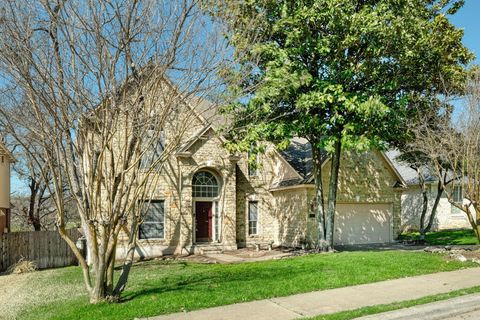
(204, 185)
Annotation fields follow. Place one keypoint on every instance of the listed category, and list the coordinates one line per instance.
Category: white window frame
(154, 222)
(257, 225)
(211, 191)
(457, 194)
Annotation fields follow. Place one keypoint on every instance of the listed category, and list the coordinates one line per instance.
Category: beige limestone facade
(447, 216)
(270, 205)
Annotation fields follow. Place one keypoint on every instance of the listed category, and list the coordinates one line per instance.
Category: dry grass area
(13, 293)
(22, 266)
(20, 292)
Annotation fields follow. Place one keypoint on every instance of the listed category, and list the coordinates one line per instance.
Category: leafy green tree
(343, 74)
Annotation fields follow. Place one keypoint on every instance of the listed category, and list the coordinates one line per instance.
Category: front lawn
(446, 237)
(157, 287)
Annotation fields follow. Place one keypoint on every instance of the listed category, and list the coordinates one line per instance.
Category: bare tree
(34, 207)
(421, 155)
(455, 144)
(103, 79)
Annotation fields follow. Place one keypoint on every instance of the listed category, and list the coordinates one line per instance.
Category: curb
(432, 311)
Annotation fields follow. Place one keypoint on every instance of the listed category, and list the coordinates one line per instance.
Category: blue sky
(467, 18)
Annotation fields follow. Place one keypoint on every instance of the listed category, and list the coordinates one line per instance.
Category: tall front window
(457, 194)
(204, 185)
(153, 221)
(252, 217)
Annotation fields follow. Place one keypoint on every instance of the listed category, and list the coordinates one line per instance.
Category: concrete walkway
(336, 300)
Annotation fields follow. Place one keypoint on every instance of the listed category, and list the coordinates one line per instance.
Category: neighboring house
(210, 199)
(6, 159)
(448, 216)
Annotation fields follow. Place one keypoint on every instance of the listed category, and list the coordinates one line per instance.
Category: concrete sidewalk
(337, 300)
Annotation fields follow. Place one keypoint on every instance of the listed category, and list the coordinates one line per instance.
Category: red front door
(203, 221)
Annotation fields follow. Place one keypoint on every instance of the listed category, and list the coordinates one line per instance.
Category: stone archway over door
(206, 195)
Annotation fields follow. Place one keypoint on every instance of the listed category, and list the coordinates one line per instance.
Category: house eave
(183, 154)
(297, 186)
(4, 152)
(402, 182)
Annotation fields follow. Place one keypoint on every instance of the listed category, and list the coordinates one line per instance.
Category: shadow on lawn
(199, 282)
(411, 241)
(161, 289)
(223, 277)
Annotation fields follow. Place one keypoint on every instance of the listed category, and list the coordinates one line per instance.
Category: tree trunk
(83, 263)
(424, 212)
(474, 221)
(98, 293)
(99, 289)
(127, 265)
(332, 195)
(110, 275)
(319, 200)
(32, 216)
(433, 213)
(423, 187)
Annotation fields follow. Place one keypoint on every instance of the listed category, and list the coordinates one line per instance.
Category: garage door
(362, 223)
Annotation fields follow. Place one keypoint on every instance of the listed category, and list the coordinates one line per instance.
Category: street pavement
(460, 308)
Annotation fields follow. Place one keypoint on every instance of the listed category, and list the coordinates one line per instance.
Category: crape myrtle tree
(419, 152)
(98, 82)
(460, 148)
(343, 74)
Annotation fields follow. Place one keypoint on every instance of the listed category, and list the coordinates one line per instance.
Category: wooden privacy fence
(46, 248)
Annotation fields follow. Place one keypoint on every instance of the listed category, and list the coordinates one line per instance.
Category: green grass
(395, 306)
(456, 237)
(159, 287)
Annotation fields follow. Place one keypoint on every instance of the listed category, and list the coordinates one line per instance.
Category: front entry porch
(212, 229)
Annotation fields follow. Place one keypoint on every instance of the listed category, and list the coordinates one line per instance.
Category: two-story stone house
(211, 199)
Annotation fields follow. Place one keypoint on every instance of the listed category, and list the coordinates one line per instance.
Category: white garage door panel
(362, 223)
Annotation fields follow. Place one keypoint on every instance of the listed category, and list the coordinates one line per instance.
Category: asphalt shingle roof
(408, 174)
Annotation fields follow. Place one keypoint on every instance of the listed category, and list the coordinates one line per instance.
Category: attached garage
(361, 223)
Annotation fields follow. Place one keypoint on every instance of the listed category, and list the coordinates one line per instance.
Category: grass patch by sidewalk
(347, 315)
(446, 237)
(157, 287)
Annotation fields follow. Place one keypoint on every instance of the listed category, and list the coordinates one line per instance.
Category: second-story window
(253, 163)
(156, 145)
